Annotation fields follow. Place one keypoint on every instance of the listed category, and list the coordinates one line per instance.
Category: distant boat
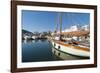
(74, 43)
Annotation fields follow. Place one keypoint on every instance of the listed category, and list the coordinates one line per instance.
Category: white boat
(64, 49)
(75, 50)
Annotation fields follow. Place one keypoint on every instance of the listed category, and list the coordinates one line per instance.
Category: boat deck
(79, 47)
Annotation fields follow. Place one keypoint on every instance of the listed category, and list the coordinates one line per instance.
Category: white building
(77, 28)
(85, 27)
(73, 28)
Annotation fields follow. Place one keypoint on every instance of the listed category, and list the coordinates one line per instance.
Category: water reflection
(37, 50)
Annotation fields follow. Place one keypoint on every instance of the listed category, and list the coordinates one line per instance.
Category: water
(37, 50)
(41, 50)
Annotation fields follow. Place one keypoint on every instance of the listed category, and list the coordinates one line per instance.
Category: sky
(42, 21)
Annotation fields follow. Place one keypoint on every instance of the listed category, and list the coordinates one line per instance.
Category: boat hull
(64, 51)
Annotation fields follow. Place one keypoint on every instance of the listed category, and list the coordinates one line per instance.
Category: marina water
(40, 50)
(37, 50)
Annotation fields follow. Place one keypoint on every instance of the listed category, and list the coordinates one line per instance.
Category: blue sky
(42, 21)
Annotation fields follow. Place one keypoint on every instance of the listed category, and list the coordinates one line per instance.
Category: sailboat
(64, 43)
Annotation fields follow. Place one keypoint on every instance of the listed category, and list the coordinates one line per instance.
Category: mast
(60, 22)
(57, 22)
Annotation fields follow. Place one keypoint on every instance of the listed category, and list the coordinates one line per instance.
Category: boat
(70, 43)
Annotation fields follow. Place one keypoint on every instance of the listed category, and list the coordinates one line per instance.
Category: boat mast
(56, 29)
(60, 22)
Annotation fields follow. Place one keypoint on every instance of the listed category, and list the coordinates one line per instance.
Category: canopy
(75, 33)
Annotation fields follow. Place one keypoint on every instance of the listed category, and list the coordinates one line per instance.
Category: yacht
(75, 43)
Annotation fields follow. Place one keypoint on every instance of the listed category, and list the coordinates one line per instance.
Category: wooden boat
(70, 48)
(62, 48)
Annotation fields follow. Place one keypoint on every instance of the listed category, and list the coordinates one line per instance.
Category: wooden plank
(71, 45)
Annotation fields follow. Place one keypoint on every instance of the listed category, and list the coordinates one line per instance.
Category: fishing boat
(75, 43)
